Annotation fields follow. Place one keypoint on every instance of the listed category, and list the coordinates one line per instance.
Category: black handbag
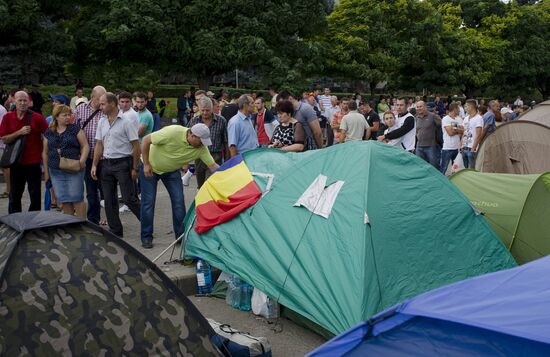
(14, 150)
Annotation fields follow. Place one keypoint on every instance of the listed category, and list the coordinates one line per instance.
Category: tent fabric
(517, 147)
(72, 289)
(540, 113)
(23, 221)
(516, 206)
(505, 313)
(337, 271)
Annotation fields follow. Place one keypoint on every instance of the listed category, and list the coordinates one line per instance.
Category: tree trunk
(204, 81)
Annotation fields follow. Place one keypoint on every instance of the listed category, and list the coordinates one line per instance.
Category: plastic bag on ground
(264, 305)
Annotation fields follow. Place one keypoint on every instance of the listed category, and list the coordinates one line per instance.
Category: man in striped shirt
(83, 113)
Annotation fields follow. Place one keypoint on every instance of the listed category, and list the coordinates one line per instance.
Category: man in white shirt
(128, 112)
(452, 133)
(518, 102)
(329, 114)
(354, 126)
(324, 101)
(117, 142)
(79, 94)
(473, 126)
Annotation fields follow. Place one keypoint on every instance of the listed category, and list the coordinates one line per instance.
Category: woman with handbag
(64, 156)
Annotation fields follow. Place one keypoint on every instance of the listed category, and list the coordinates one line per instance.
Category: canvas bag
(238, 344)
(14, 151)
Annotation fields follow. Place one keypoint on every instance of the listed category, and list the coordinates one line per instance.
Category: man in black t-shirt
(231, 109)
(372, 117)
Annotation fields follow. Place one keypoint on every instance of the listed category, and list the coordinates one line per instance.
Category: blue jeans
(156, 121)
(446, 157)
(148, 185)
(429, 154)
(469, 158)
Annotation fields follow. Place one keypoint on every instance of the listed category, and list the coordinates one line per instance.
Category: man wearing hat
(164, 152)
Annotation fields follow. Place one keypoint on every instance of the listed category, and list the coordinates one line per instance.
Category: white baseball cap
(202, 131)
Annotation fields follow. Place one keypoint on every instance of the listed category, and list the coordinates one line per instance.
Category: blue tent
(506, 313)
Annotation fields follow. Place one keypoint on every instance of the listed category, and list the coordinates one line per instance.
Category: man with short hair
(489, 119)
(79, 94)
(273, 94)
(324, 101)
(264, 122)
(185, 106)
(164, 152)
(452, 131)
(304, 113)
(152, 107)
(473, 126)
(428, 126)
(146, 123)
(87, 118)
(406, 127)
(337, 120)
(372, 118)
(126, 107)
(117, 142)
(330, 111)
(354, 126)
(24, 123)
(231, 109)
(37, 99)
(217, 126)
(241, 136)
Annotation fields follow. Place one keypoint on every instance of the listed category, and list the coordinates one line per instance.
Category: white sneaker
(123, 209)
(102, 203)
(186, 178)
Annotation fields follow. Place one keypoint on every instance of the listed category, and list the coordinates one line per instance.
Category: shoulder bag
(14, 150)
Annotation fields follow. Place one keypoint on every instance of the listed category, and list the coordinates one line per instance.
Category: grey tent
(539, 114)
(69, 288)
(517, 147)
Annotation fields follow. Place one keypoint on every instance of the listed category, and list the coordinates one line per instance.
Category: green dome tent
(348, 231)
(516, 206)
(67, 288)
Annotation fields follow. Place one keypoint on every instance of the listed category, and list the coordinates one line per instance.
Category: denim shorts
(68, 187)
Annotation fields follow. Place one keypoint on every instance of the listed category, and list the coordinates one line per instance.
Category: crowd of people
(113, 142)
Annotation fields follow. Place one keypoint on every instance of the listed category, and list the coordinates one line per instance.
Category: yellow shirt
(170, 150)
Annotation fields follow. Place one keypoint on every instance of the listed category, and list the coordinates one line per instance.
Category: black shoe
(147, 244)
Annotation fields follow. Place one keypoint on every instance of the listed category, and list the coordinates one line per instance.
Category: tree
(474, 11)
(119, 42)
(528, 55)
(33, 42)
(462, 59)
(376, 40)
(270, 35)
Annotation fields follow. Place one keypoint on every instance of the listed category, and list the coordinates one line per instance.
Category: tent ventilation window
(319, 198)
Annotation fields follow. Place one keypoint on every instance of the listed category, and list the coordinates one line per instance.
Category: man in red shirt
(27, 170)
(264, 122)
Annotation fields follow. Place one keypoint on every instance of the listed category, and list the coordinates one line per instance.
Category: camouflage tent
(69, 288)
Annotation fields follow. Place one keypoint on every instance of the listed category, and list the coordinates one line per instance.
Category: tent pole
(168, 248)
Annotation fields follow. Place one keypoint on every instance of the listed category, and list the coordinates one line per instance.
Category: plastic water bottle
(204, 278)
(239, 294)
(246, 296)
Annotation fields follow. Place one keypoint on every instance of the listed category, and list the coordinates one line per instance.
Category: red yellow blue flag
(227, 192)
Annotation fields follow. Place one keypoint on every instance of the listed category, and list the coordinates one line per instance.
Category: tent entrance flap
(320, 198)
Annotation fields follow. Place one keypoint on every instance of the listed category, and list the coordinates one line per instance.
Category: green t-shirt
(146, 118)
(170, 150)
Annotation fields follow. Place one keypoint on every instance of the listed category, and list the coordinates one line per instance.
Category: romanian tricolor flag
(229, 191)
